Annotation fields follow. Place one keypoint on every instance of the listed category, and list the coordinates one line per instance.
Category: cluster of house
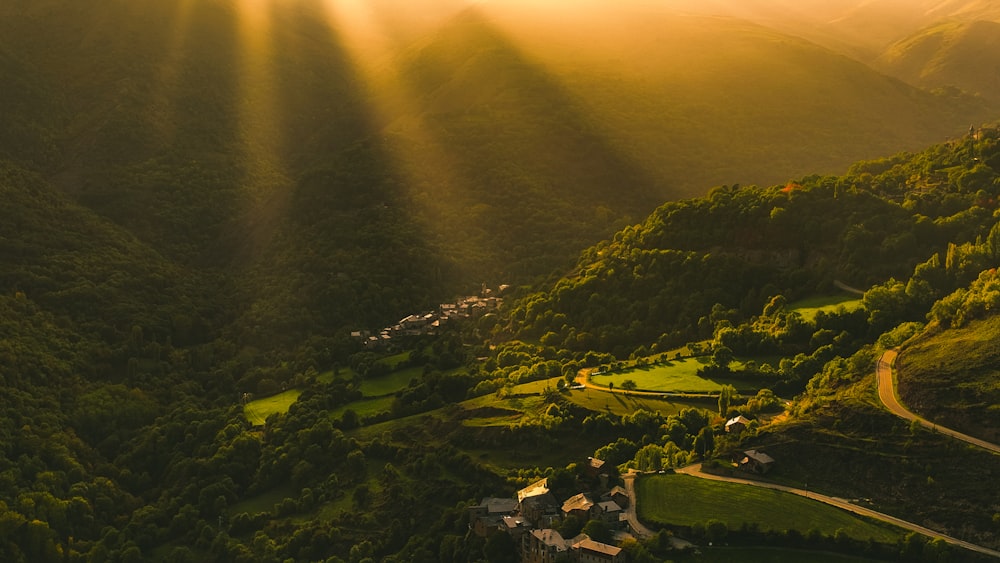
(531, 517)
(470, 307)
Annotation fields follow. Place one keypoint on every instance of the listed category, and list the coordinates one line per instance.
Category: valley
(456, 281)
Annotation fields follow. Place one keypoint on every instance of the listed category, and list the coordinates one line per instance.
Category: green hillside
(512, 143)
(954, 54)
(202, 199)
(950, 376)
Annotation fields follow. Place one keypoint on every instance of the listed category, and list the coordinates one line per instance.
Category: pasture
(389, 383)
(677, 375)
(258, 410)
(622, 404)
(683, 500)
(366, 406)
(753, 554)
(810, 306)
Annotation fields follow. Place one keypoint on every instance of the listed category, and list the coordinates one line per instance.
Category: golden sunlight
(260, 116)
(164, 96)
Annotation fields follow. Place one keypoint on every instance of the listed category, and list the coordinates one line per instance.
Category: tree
(722, 357)
(716, 530)
(629, 385)
(598, 531)
(726, 396)
(704, 443)
(500, 548)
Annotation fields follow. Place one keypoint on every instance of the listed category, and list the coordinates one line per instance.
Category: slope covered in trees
(186, 220)
(501, 140)
(125, 367)
(730, 252)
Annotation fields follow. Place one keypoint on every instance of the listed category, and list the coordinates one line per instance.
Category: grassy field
(365, 407)
(683, 500)
(621, 404)
(828, 304)
(342, 373)
(390, 382)
(678, 375)
(257, 411)
(746, 554)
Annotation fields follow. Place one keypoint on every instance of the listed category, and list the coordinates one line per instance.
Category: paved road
(638, 529)
(887, 394)
(695, 470)
(633, 520)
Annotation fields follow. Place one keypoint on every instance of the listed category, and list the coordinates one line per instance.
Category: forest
(126, 439)
(177, 245)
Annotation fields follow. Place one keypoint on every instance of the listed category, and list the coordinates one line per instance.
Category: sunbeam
(267, 181)
(163, 102)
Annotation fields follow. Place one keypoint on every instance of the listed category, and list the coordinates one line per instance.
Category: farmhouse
(617, 494)
(543, 546)
(516, 526)
(581, 506)
(590, 551)
(539, 487)
(610, 513)
(737, 425)
(594, 467)
(542, 510)
(486, 517)
(757, 462)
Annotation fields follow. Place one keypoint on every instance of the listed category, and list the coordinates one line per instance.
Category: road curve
(633, 520)
(887, 394)
(638, 529)
(695, 471)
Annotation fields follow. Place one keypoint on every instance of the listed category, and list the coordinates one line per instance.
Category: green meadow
(809, 307)
(683, 500)
(258, 410)
(622, 404)
(677, 375)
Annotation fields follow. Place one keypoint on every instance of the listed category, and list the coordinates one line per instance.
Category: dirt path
(695, 471)
(887, 394)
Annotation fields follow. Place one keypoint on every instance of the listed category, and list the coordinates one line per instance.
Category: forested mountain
(739, 246)
(203, 198)
(125, 439)
(502, 138)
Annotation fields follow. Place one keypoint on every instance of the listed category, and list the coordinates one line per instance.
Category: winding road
(887, 394)
(638, 529)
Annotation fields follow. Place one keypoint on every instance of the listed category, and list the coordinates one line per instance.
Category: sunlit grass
(684, 500)
(678, 375)
(827, 303)
(754, 554)
(258, 410)
(364, 407)
(622, 404)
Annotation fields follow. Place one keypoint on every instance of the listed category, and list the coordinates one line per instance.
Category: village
(430, 323)
(530, 519)
(534, 517)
